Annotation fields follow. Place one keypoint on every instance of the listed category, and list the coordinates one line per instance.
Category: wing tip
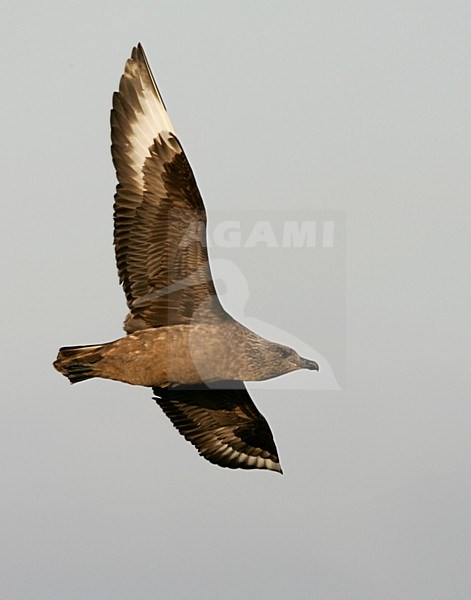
(137, 53)
(137, 67)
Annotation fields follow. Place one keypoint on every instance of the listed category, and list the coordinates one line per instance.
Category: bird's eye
(283, 353)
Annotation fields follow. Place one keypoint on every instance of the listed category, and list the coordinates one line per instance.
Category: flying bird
(179, 339)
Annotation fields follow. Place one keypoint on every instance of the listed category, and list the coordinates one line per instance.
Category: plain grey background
(362, 107)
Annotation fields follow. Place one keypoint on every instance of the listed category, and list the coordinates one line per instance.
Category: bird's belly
(179, 354)
(158, 357)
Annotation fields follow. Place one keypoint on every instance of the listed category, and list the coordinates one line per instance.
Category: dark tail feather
(78, 372)
(78, 363)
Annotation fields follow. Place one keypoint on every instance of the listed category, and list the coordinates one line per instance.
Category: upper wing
(223, 424)
(159, 216)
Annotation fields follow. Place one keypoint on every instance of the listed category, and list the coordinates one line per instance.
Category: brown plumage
(181, 342)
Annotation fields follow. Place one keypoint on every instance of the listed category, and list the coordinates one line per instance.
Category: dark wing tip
(140, 54)
(135, 54)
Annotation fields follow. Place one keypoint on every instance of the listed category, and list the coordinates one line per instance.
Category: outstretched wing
(223, 424)
(159, 216)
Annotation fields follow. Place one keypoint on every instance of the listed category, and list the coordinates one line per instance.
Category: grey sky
(357, 107)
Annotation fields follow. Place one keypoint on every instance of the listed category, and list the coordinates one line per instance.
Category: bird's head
(276, 359)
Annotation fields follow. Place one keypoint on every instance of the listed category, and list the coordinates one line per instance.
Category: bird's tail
(78, 363)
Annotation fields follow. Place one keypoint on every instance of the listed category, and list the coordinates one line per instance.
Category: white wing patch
(226, 451)
(146, 114)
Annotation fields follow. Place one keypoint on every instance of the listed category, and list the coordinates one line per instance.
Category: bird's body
(180, 341)
(179, 355)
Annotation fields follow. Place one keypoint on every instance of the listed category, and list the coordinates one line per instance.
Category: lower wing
(223, 424)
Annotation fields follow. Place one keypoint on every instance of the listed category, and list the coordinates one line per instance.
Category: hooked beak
(305, 363)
